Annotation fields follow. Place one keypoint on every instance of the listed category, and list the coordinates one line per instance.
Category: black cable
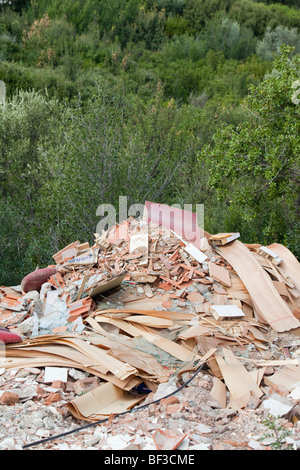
(58, 436)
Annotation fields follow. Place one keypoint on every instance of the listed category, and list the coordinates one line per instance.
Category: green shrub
(269, 47)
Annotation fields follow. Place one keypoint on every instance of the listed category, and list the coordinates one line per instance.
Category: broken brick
(9, 398)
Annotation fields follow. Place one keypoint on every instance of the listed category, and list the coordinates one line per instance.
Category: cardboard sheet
(101, 402)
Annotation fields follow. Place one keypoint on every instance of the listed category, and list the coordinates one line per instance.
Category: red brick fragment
(53, 397)
(9, 398)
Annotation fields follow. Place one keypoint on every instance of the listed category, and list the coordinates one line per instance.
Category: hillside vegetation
(172, 101)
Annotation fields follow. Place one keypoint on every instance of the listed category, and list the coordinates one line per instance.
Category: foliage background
(175, 101)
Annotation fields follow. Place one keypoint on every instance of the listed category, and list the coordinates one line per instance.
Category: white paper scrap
(55, 373)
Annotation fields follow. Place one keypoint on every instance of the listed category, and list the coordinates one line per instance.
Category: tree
(254, 167)
(272, 41)
(110, 147)
(27, 122)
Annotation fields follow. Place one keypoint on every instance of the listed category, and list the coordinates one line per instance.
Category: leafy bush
(255, 166)
(272, 41)
(258, 16)
(225, 35)
(185, 47)
(199, 12)
(18, 77)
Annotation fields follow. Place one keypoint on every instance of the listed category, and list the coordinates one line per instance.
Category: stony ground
(31, 410)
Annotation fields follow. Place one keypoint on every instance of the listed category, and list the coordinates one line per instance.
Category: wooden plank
(223, 238)
(218, 392)
(168, 315)
(266, 301)
(84, 281)
(239, 382)
(153, 322)
(195, 253)
(220, 274)
(289, 264)
(288, 376)
(269, 254)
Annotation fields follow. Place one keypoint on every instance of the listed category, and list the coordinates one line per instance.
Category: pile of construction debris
(143, 305)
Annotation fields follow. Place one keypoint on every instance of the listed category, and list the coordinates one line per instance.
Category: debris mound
(145, 304)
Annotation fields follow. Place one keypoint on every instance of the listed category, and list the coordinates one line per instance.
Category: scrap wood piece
(43, 361)
(143, 278)
(140, 303)
(125, 350)
(82, 285)
(237, 285)
(195, 253)
(255, 333)
(238, 380)
(267, 303)
(196, 330)
(220, 274)
(217, 339)
(219, 392)
(106, 285)
(85, 259)
(269, 254)
(43, 352)
(271, 269)
(83, 247)
(155, 313)
(59, 352)
(68, 251)
(147, 320)
(96, 355)
(102, 401)
(223, 238)
(289, 264)
(258, 374)
(172, 348)
(288, 376)
(119, 369)
(220, 290)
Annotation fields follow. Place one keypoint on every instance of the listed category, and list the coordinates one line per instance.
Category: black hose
(58, 436)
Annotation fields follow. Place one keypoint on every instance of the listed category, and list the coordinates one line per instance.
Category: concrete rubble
(152, 340)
